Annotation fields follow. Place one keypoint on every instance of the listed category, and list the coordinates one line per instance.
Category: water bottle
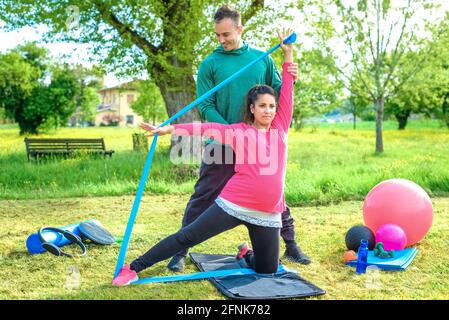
(362, 257)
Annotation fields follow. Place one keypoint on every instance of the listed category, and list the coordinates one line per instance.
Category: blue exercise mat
(402, 259)
(282, 285)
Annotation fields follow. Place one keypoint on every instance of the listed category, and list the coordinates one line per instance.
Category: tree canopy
(149, 103)
(40, 93)
(368, 43)
(164, 38)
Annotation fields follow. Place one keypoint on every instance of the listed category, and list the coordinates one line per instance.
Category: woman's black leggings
(265, 241)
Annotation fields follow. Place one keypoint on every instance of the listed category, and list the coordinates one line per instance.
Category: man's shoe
(177, 263)
(125, 277)
(294, 253)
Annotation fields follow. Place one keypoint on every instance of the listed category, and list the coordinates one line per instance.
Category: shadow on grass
(17, 255)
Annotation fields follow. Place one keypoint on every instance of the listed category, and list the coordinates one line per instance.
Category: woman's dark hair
(226, 12)
(251, 98)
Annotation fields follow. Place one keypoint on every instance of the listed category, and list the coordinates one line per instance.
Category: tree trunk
(379, 118)
(445, 110)
(354, 114)
(176, 99)
(298, 123)
(402, 118)
(178, 91)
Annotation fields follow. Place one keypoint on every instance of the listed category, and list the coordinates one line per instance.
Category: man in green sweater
(226, 106)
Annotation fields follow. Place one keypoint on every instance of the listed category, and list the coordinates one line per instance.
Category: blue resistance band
(208, 274)
(149, 159)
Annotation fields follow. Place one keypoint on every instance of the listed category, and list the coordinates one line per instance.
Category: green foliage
(359, 107)
(438, 71)
(37, 57)
(317, 91)
(16, 82)
(150, 104)
(63, 90)
(87, 99)
(362, 5)
(424, 93)
(372, 62)
(140, 36)
(40, 94)
(89, 81)
(21, 77)
(166, 39)
(88, 104)
(37, 110)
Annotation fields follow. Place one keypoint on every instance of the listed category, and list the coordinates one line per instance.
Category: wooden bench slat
(47, 147)
(63, 141)
(85, 147)
(65, 145)
(36, 147)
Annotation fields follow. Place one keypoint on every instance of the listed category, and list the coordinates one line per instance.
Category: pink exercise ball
(392, 236)
(400, 202)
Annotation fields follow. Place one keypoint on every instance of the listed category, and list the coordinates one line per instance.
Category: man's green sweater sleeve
(204, 83)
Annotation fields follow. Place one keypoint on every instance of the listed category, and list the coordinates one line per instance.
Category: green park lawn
(320, 230)
(325, 165)
(330, 170)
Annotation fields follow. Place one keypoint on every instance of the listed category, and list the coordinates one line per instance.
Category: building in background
(114, 108)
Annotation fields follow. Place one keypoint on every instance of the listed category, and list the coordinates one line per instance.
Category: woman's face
(264, 109)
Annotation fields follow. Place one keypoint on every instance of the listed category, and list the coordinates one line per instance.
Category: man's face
(228, 34)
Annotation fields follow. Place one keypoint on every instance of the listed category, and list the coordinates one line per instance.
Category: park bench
(65, 147)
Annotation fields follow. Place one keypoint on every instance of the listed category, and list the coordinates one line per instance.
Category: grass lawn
(330, 170)
(320, 230)
(325, 164)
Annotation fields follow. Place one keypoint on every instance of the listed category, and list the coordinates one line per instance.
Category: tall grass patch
(325, 164)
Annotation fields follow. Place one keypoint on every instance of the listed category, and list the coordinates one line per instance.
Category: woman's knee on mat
(271, 268)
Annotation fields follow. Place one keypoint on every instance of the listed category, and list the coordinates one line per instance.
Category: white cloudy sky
(78, 53)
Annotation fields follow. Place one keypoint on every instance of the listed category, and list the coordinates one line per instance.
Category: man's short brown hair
(227, 12)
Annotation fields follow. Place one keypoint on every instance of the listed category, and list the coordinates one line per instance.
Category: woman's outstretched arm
(222, 133)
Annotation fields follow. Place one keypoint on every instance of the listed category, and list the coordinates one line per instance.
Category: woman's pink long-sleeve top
(258, 182)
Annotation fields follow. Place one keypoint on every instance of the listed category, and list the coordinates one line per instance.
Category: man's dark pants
(213, 178)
